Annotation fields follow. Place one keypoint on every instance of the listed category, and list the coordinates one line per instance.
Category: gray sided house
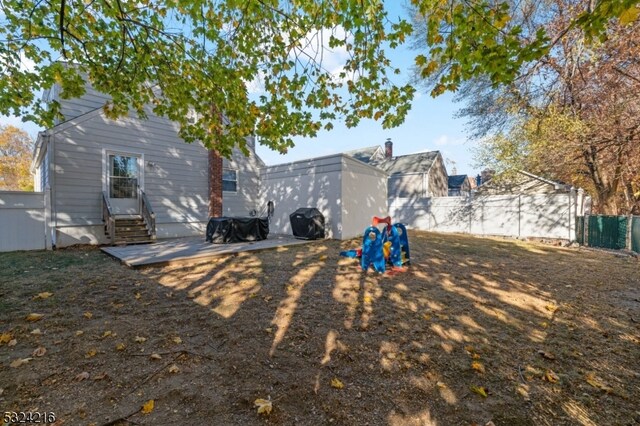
(141, 171)
(413, 176)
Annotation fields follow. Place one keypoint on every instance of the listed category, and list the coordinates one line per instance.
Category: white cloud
(446, 140)
(26, 64)
(256, 85)
(314, 47)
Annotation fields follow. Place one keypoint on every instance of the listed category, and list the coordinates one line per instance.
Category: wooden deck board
(189, 249)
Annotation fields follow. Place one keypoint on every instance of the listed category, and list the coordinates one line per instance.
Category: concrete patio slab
(189, 249)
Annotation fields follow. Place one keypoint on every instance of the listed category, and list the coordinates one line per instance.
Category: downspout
(52, 184)
(572, 212)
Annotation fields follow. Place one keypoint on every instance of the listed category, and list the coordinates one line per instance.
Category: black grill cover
(307, 223)
(222, 230)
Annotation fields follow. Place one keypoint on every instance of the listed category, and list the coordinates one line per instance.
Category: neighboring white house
(412, 176)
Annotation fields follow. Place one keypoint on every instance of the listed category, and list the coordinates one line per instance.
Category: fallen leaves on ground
(551, 377)
(43, 295)
(87, 315)
(140, 339)
(264, 405)
(82, 376)
(174, 369)
(475, 365)
(101, 376)
(40, 351)
(34, 317)
(148, 406)
(155, 356)
(20, 361)
(523, 390)
(5, 337)
(177, 340)
(597, 383)
(36, 332)
(547, 355)
(12, 342)
(336, 383)
(106, 334)
(121, 346)
(480, 390)
(91, 353)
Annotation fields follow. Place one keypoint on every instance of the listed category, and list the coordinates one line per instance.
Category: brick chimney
(215, 183)
(388, 148)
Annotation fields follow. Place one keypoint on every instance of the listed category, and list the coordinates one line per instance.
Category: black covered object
(307, 223)
(222, 230)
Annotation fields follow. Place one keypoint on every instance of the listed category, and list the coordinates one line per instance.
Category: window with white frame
(229, 180)
(123, 176)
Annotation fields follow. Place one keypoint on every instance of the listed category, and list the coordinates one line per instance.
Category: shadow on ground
(477, 330)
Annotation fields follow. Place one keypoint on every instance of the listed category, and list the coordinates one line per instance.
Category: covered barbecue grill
(307, 223)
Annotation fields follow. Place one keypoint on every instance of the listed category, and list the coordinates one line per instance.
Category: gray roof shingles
(456, 181)
(412, 163)
(363, 154)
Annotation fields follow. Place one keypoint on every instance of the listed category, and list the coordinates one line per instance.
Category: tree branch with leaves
(181, 57)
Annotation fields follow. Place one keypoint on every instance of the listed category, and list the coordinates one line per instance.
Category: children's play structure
(379, 248)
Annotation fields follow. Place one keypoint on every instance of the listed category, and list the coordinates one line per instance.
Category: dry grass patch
(476, 330)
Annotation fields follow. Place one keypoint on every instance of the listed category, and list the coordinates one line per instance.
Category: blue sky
(430, 125)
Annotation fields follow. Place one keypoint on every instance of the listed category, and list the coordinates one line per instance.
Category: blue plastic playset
(380, 248)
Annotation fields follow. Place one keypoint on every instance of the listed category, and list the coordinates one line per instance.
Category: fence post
(580, 202)
(519, 215)
(572, 213)
(627, 242)
(585, 230)
(470, 209)
(48, 244)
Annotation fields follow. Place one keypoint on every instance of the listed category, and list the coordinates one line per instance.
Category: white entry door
(123, 178)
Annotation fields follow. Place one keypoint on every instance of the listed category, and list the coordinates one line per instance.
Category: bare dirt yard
(477, 330)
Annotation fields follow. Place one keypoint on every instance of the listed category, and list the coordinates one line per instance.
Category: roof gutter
(38, 151)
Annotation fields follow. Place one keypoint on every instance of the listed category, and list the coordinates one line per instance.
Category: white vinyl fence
(22, 221)
(541, 216)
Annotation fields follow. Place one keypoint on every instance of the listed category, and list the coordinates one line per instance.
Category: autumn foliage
(15, 159)
(573, 115)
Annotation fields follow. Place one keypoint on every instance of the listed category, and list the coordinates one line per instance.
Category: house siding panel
(406, 185)
(72, 108)
(175, 177)
(248, 196)
(437, 178)
(308, 183)
(364, 195)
